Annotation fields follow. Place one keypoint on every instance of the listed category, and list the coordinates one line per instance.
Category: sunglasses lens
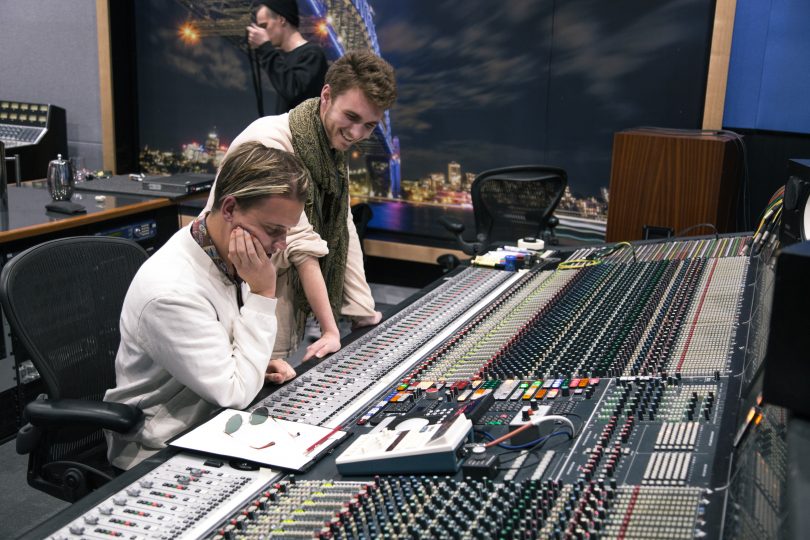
(259, 416)
(233, 424)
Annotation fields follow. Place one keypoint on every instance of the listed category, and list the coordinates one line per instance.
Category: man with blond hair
(359, 87)
(198, 323)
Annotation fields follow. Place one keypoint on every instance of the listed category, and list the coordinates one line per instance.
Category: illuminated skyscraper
(212, 144)
(454, 175)
(437, 181)
(468, 181)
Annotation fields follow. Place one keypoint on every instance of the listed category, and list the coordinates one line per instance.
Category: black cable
(519, 452)
(746, 180)
(256, 74)
(693, 227)
(581, 422)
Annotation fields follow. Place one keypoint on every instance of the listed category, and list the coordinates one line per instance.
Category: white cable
(536, 420)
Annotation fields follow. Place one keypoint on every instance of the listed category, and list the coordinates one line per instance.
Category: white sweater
(186, 349)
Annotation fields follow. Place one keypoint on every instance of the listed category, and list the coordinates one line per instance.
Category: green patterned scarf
(327, 205)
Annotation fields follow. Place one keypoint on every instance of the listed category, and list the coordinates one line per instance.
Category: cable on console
(693, 227)
(576, 264)
(769, 223)
(535, 421)
(524, 446)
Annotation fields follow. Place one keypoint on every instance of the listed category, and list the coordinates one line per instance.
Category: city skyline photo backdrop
(481, 85)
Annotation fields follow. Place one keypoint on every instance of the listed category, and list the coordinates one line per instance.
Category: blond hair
(254, 171)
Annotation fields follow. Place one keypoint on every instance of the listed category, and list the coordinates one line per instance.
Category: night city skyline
(479, 84)
(438, 116)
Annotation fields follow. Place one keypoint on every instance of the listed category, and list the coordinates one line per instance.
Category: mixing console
(325, 395)
(183, 497)
(655, 316)
(602, 397)
(757, 489)
(430, 507)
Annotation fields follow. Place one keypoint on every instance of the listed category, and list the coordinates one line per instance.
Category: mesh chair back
(515, 202)
(63, 299)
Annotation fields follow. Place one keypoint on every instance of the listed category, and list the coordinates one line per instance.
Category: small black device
(65, 207)
(795, 226)
(787, 372)
(481, 464)
(186, 183)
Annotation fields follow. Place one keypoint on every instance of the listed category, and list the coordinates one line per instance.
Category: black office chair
(63, 300)
(511, 203)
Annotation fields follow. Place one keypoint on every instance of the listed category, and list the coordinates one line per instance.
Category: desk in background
(27, 222)
(147, 218)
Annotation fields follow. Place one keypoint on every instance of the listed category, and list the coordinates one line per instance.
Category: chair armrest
(451, 224)
(64, 412)
(448, 261)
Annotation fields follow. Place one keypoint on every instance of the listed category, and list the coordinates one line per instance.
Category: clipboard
(276, 443)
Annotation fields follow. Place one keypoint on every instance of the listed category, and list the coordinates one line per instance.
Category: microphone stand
(256, 74)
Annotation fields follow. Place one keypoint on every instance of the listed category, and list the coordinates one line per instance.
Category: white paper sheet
(275, 442)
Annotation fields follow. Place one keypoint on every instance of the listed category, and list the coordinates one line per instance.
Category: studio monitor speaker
(787, 362)
(795, 225)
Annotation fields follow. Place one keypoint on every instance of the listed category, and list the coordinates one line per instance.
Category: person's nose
(358, 132)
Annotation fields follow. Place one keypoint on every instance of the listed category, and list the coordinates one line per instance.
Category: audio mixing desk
(612, 395)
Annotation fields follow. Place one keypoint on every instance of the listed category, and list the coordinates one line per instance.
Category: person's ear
(228, 207)
(326, 93)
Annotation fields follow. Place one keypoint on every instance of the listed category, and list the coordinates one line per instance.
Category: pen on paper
(323, 439)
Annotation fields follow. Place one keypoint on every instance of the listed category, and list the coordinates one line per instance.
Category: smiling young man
(198, 323)
(359, 87)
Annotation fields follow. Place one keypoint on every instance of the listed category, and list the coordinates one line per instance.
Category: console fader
(639, 349)
(329, 393)
(432, 507)
(182, 498)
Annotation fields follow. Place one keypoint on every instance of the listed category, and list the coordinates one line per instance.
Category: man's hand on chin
(279, 371)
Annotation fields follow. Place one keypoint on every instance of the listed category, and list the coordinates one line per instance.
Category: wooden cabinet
(672, 179)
